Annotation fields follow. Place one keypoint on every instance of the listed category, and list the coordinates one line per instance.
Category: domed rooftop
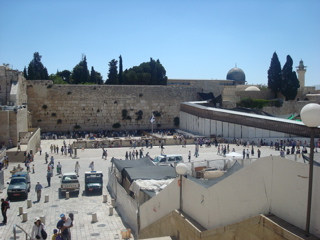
(236, 74)
(252, 89)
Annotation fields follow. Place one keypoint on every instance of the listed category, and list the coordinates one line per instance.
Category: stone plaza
(108, 226)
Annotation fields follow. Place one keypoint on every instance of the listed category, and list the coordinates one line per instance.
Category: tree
(95, 77)
(148, 73)
(274, 74)
(289, 80)
(57, 79)
(65, 75)
(25, 73)
(113, 72)
(80, 73)
(120, 71)
(36, 70)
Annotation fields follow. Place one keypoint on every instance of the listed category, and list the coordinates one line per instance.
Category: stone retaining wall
(98, 107)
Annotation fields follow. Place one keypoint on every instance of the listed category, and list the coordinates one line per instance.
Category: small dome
(236, 74)
(252, 89)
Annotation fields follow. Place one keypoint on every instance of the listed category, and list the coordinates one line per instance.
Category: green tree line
(147, 73)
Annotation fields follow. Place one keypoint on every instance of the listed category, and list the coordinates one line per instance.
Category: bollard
(24, 217)
(46, 198)
(113, 202)
(67, 195)
(29, 203)
(94, 217)
(20, 210)
(43, 219)
(105, 198)
(110, 211)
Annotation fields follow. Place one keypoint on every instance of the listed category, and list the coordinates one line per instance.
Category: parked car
(93, 182)
(69, 183)
(170, 159)
(19, 186)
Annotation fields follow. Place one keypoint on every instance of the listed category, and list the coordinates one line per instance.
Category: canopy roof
(150, 172)
(121, 164)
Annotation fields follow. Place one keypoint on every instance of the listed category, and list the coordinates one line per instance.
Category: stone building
(13, 101)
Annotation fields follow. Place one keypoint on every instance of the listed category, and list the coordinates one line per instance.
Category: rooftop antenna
(236, 65)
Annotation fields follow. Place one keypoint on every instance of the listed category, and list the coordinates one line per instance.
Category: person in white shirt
(36, 229)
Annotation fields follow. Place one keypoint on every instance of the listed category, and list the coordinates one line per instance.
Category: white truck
(70, 183)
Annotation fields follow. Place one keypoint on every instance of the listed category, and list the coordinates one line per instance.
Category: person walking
(46, 156)
(38, 191)
(68, 224)
(49, 176)
(259, 153)
(63, 229)
(189, 156)
(37, 229)
(91, 166)
(76, 168)
(4, 208)
(59, 168)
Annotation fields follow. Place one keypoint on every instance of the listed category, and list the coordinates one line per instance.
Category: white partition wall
(269, 185)
(231, 130)
(251, 132)
(207, 127)
(265, 134)
(237, 131)
(225, 127)
(213, 130)
(160, 205)
(219, 128)
(202, 126)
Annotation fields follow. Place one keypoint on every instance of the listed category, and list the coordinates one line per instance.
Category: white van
(170, 159)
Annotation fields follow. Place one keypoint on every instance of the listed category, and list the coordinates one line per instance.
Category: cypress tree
(80, 73)
(93, 78)
(113, 72)
(274, 74)
(120, 71)
(36, 70)
(25, 73)
(289, 81)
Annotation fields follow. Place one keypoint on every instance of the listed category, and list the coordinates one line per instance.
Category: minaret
(301, 70)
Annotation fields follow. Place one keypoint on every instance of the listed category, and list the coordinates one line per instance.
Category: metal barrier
(28, 237)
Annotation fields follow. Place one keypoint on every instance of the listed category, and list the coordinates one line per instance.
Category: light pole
(181, 170)
(310, 116)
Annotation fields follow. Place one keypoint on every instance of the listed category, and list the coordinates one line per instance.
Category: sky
(192, 39)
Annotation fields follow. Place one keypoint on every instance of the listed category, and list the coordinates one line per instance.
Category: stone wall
(13, 121)
(12, 79)
(206, 86)
(98, 107)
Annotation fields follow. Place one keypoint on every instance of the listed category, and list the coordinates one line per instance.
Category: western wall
(97, 107)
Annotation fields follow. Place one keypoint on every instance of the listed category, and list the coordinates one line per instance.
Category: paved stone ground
(107, 227)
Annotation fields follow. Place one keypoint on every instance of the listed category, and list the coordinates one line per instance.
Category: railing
(28, 237)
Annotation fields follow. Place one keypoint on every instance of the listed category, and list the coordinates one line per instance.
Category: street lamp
(181, 170)
(310, 116)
